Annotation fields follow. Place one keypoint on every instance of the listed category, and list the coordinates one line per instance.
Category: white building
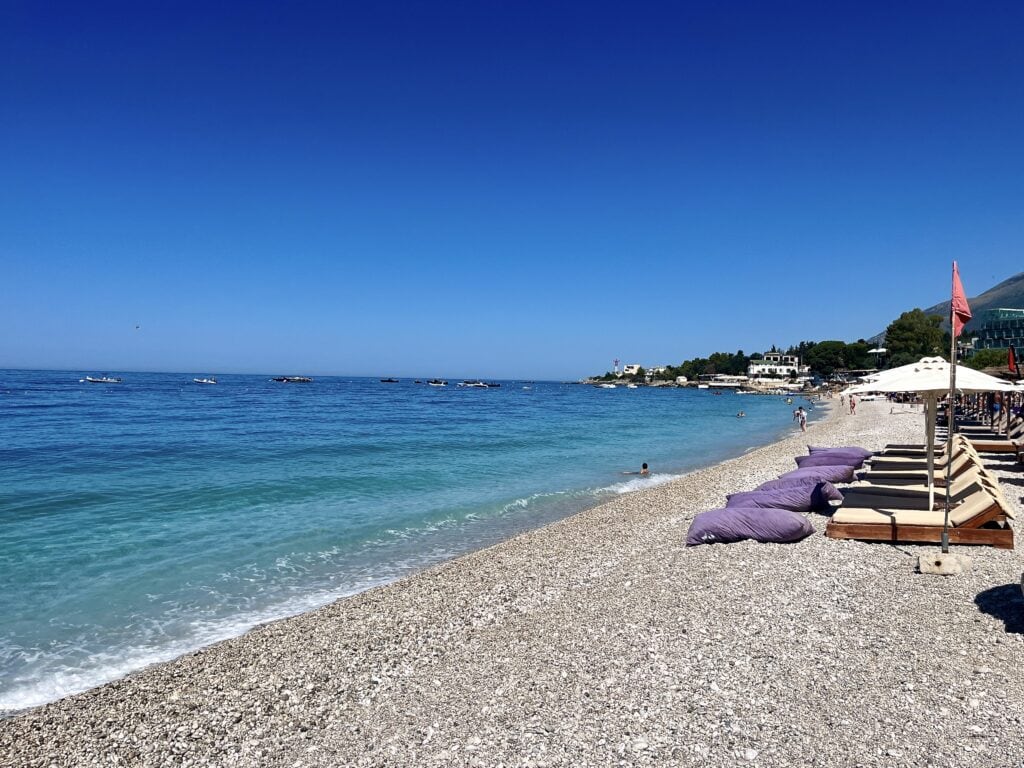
(775, 365)
(632, 369)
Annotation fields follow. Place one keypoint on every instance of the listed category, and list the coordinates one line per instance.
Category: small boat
(491, 384)
(631, 386)
(474, 384)
(389, 381)
(703, 386)
(417, 382)
(102, 380)
(606, 386)
(437, 383)
(292, 379)
(210, 380)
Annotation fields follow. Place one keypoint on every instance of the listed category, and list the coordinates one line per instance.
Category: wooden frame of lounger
(981, 520)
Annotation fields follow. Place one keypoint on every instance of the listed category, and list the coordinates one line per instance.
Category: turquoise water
(141, 520)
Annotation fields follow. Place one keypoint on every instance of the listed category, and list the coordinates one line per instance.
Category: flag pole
(950, 425)
(959, 313)
(950, 421)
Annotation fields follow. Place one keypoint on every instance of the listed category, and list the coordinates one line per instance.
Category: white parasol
(929, 377)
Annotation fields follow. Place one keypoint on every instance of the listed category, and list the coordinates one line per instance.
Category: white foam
(639, 483)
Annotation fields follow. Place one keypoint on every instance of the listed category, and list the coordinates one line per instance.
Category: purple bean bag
(853, 450)
(845, 452)
(822, 487)
(828, 460)
(720, 526)
(834, 473)
(802, 497)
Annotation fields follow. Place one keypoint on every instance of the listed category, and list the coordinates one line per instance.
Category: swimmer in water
(643, 470)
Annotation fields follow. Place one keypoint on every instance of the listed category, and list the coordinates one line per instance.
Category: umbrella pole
(930, 408)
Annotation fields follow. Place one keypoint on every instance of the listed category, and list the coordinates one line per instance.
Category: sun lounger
(1002, 442)
(915, 496)
(889, 462)
(1016, 425)
(995, 445)
(980, 519)
(910, 450)
(960, 464)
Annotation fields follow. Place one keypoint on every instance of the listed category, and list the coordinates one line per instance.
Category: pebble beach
(603, 640)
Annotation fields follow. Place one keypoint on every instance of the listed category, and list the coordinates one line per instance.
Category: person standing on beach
(853, 405)
(801, 416)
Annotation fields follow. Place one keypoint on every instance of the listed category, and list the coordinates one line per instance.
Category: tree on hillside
(723, 362)
(857, 356)
(801, 349)
(913, 335)
(826, 357)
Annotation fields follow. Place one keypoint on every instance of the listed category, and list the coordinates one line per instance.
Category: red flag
(1011, 361)
(960, 310)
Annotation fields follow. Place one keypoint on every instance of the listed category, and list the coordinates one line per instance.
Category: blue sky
(494, 188)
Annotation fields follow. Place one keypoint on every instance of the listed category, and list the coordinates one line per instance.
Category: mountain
(1009, 293)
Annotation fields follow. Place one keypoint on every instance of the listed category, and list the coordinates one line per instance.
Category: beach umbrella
(929, 377)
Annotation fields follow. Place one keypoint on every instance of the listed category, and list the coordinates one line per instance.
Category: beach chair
(888, 461)
(959, 464)
(998, 445)
(910, 450)
(915, 496)
(981, 519)
(994, 442)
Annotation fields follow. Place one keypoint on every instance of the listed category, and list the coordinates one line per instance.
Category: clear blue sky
(494, 188)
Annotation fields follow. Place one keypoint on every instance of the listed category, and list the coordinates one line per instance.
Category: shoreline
(545, 507)
(581, 642)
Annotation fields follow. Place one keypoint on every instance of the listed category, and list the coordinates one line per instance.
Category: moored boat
(103, 379)
(389, 381)
(437, 383)
(210, 380)
(292, 379)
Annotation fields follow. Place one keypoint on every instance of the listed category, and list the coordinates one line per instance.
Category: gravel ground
(601, 640)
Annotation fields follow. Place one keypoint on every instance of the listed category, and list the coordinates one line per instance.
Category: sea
(145, 519)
